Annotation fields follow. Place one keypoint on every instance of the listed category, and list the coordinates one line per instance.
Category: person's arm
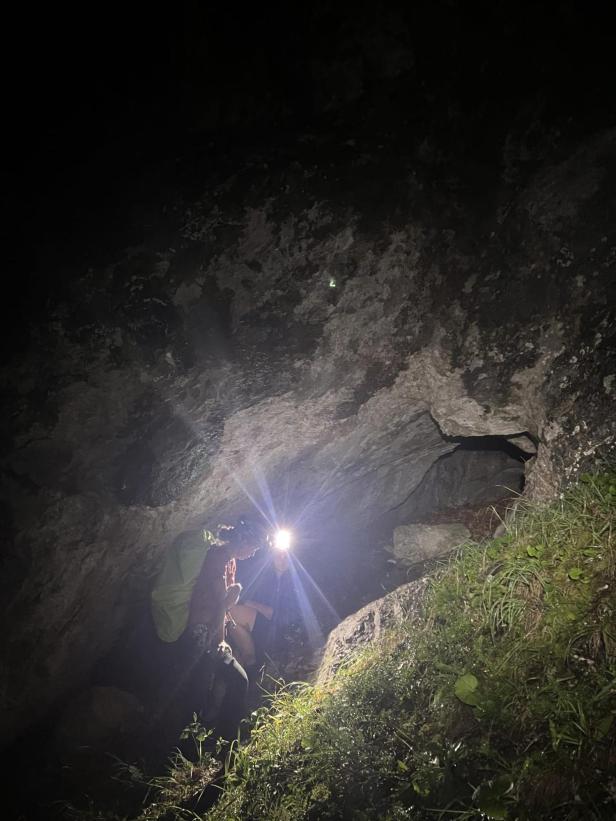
(232, 595)
(264, 609)
(220, 598)
(230, 570)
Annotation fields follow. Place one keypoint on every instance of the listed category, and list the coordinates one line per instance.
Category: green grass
(500, 703)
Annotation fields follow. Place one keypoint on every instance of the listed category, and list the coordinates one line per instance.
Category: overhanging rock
(213, 360)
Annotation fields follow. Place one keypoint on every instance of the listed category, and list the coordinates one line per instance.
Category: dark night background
(107, 105)
(117, 119)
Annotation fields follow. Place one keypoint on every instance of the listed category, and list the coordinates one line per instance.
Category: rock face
(465, 477)
(368, 625)
(98, 715)
(419, 543)
(313, 331)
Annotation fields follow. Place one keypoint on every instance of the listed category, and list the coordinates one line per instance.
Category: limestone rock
(369, 624)
(419, 543)
(524, 443)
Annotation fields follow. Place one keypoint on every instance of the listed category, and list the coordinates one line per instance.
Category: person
(214, 594)
(252, 621)
(172, 590)
(248, 630)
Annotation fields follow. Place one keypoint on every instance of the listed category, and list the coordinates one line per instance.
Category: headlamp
(282, 539)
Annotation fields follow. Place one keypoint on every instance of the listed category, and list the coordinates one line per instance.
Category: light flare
(283, 539)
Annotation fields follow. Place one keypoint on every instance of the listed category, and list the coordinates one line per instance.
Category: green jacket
(172, 591)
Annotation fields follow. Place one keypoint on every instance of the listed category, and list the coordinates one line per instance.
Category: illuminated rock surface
(419, 543)
(369, 625)
(162, 383)
(379, 305)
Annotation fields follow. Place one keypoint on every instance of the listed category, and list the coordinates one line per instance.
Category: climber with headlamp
(250, 626)
(191, 600)
(195, 608)
(210, 624)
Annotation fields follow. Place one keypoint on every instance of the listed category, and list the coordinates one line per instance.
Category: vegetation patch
(500, 704)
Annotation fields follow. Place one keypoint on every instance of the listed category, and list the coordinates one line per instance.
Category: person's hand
(224, 649)
(230, 570)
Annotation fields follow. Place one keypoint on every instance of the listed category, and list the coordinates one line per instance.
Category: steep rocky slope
(329, 322)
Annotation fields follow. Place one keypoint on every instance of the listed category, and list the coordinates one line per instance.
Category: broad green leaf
(492, 807)
(575, 574)
(465, 689)
(488, 797)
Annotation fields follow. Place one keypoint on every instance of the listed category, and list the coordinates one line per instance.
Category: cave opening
(353, 557)
(523, 451)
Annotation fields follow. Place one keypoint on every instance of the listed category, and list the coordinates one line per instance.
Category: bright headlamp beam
(282, 539)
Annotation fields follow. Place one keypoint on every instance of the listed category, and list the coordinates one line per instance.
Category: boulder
(369, 625)
(419, 543)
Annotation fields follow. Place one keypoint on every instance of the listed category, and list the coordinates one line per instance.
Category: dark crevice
(471, 445)
(493, 443)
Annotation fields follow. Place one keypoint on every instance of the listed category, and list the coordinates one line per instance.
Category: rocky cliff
(318, 326)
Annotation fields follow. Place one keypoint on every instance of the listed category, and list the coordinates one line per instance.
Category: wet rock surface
(420, 542)
(331, 319)
(368, 625)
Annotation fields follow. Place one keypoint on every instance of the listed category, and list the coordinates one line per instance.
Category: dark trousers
(199, 681)
(233, 707)
(219, 684)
